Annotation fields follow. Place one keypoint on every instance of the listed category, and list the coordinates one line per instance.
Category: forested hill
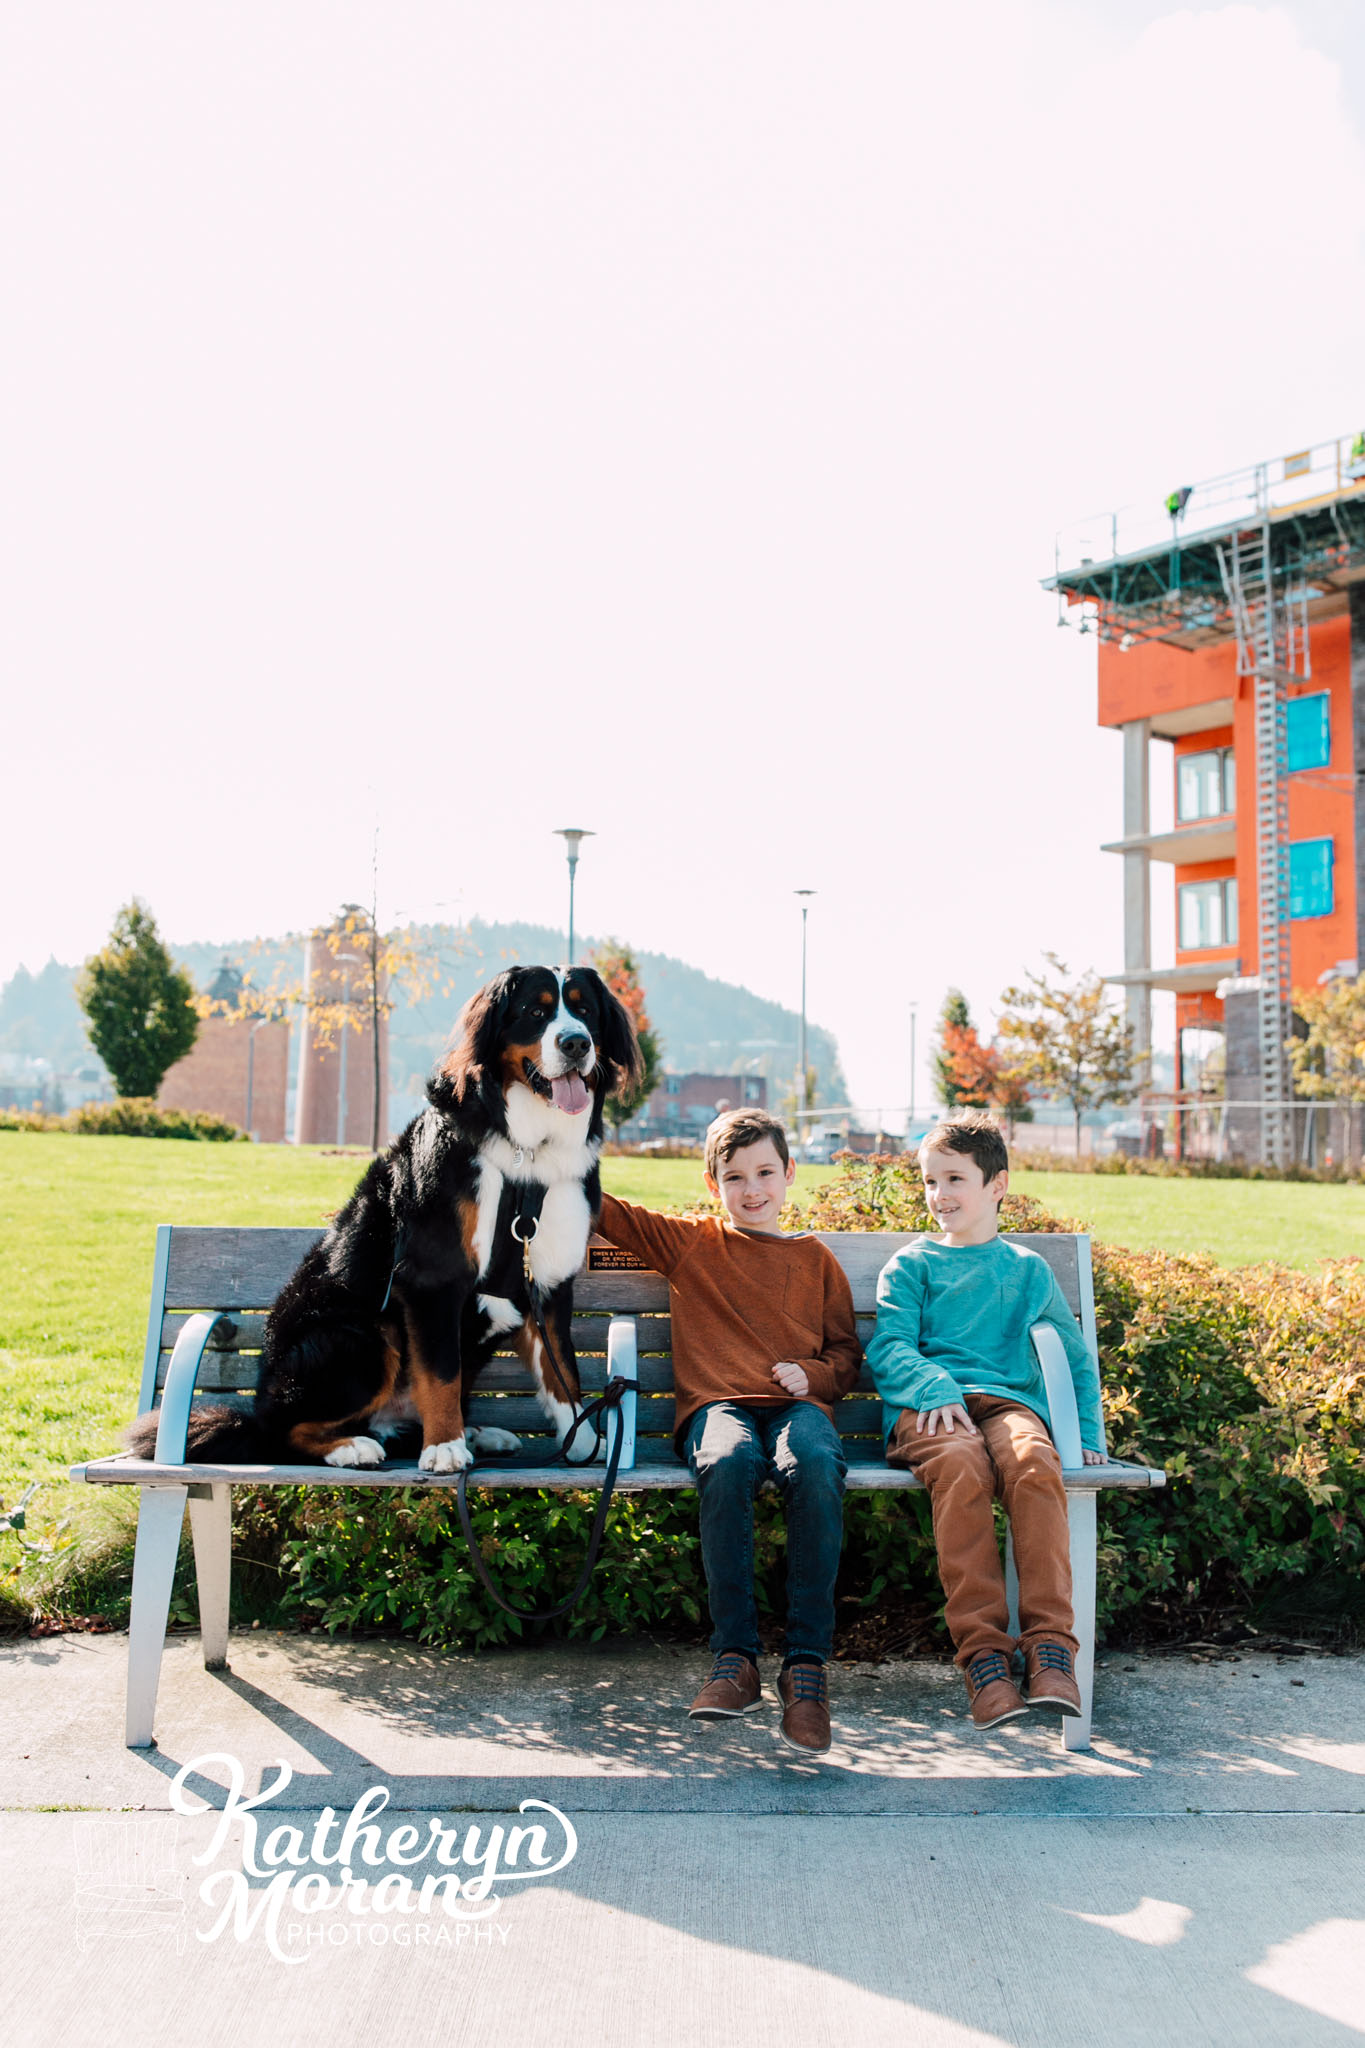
(706, 1025)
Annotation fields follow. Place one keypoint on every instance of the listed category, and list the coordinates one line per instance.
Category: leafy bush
(132, 1116)
(1248, 1387)
(883, 1191)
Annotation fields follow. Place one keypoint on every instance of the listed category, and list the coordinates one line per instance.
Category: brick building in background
(683, 1105)
(238, 1067)
(335, 1100)
(1233, 628)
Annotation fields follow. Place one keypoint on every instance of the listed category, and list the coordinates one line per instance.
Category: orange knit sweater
(742, 1301)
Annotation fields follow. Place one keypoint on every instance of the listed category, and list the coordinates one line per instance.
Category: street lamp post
(251, 1072)
(913, 1008)
(573, 837)
(801, 1069)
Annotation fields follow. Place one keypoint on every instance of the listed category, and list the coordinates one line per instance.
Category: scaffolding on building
(1256, 556)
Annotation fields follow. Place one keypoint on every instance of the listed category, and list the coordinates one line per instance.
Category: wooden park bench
(212, 1288)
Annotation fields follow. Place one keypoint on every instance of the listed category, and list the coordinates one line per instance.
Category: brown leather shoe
(991, 1693)
(732, 1689)
(804, 1692)
(1050, 1677)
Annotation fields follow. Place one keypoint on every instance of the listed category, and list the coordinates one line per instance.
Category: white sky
(654, 417)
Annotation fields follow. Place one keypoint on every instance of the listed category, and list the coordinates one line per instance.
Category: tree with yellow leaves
(1065, 1037)
(1329, 1064)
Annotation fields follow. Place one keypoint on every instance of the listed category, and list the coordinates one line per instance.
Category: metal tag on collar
(524, 1237)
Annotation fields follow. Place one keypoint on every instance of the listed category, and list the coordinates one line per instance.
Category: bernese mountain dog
(464, 1236)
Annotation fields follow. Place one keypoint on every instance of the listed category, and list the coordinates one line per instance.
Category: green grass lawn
(78, 1216)
(1241, 1222)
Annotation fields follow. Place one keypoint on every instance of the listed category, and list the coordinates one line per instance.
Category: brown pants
(1011, 1459)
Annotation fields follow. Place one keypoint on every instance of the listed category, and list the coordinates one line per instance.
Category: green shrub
(1175, 1169)
(1248, 1387)
(883, 1191)
(131, 1116)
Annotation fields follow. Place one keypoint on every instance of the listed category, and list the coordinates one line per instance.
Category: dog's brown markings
(514, 1058)
(316, 1439)
(437, 1401)
(468, 1213)
(544, 1363)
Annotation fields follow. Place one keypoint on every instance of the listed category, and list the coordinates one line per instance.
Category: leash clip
(525, 1239)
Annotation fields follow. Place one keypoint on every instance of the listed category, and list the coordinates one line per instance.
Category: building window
(1208, 914)
(1310, 878)
(670, 1084)
(1309, 730)
(1206, 785)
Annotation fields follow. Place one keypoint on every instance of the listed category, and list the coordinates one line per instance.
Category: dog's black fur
(385, 1321)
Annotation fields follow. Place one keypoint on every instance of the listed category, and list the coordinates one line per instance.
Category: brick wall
(212, 1079)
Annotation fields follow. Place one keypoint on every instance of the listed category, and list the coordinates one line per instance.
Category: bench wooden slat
(217, 1267)
(236, 1372)
(219, 1372)
(244, 1330)
(654, 1415)
(230, 1268)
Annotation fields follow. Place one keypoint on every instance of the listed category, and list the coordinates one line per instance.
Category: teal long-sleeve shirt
(954, 1320)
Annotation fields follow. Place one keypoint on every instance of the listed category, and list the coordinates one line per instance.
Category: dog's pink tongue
(570, 1093)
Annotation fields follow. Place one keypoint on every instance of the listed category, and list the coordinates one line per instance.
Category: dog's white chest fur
(541, 1149)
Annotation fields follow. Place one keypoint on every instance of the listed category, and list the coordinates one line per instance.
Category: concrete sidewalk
(1199, 1876)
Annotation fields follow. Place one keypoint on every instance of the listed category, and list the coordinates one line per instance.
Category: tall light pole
(913, 1008)
(573, 837)
(804, 894)
(251, 1071)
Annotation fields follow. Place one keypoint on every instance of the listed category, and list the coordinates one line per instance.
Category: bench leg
(1011, 1583)
(161, 1511)
(211, 1528)
(1080, 1508)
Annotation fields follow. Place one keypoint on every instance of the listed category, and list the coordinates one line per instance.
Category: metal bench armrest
(1061, 1395)
(182, 1373)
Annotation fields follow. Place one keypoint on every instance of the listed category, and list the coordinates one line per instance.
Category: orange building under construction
(1231, 624)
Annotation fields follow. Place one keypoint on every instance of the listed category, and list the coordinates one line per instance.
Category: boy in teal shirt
(964, 1406)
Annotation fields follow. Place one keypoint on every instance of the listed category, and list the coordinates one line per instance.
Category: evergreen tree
(140, 1005)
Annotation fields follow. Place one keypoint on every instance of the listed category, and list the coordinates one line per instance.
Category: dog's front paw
(492, 1443)
(454, 1456)
(584, 1447)
(358, 1451)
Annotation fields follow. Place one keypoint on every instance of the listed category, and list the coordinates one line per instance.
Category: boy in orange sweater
(764, 1344)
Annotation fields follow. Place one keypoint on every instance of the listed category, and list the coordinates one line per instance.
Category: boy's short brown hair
(740, 1127)
(974, 1134)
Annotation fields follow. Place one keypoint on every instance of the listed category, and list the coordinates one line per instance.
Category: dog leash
(594, 1412)
(523, 1226)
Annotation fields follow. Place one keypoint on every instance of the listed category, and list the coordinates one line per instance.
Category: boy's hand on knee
(791, 1378)
(946, 1419)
